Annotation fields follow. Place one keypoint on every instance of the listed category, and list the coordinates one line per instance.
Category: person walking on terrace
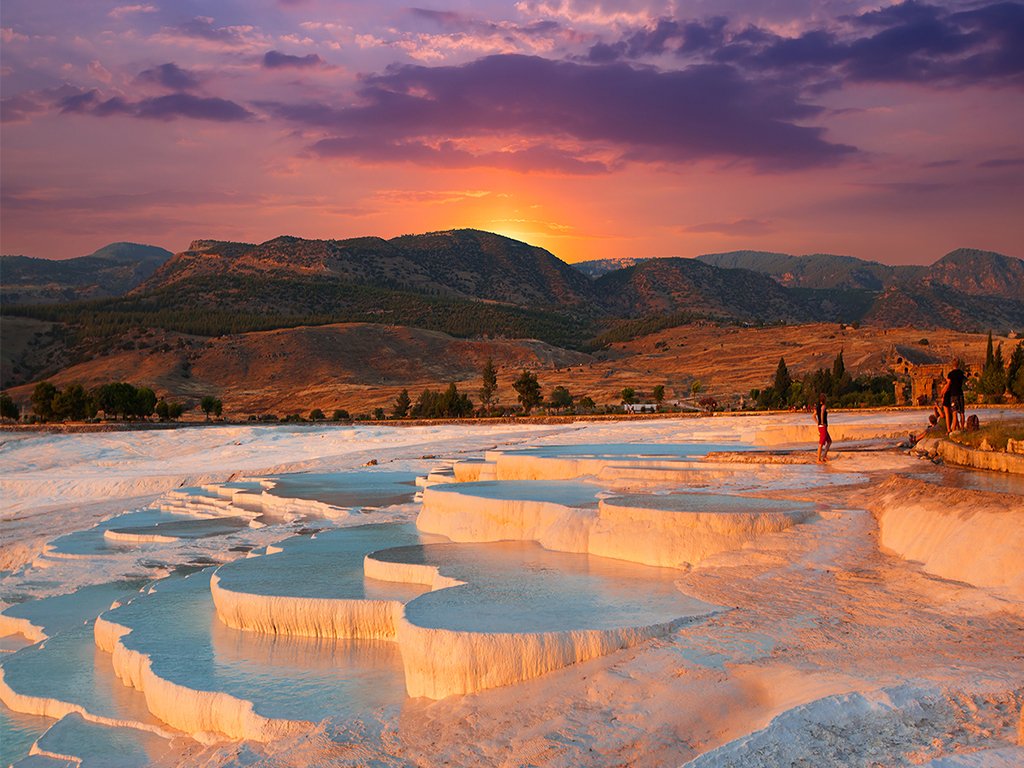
(824, 438)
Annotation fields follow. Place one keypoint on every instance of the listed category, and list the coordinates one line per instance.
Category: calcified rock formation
(673, 531)
(956, 533)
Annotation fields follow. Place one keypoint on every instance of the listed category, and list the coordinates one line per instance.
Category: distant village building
(920, 374)
(640, 407)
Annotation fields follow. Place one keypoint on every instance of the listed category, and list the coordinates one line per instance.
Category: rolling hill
(113, 270)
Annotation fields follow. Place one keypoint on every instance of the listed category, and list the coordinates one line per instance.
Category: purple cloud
(278, 60)
(167, 107)
(908, 42)
(645, 114)
(169, 76)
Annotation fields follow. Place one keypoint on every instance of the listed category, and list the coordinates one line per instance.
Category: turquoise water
(366, 487)
(18, 733)
(572, 493)
(92, 542)
(187, 529)
(522, 587)
(709, 502)
(56, 614)
(70, 668)
(102, 745)
(285, 677)
(327, 565)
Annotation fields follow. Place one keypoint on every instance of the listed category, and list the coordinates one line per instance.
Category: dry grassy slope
(735, 360)
(349, 365)
(362, 366)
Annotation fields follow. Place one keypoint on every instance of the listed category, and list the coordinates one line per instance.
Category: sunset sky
(892, 132)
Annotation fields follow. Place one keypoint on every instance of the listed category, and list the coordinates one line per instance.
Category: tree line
(836, 383)
(115, 400)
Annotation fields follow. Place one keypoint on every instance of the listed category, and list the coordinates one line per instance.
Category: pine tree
(1015, 371)
(402, 403)
(780, 388)
(993, 375)
(490, 383)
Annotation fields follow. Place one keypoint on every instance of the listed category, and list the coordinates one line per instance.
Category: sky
(891, 132)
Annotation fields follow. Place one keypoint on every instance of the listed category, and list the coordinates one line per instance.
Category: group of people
(949, 409)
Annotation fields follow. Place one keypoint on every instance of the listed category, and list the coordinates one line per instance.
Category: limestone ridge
(113, 270)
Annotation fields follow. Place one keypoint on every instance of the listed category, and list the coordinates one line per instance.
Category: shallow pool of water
(293, 678)
(363, 488)
(328, 565)
(571, 493)
(522, 587)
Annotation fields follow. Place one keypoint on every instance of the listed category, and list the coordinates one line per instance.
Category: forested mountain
(818, 270)
(472, 284)
(671, 285)
(113, 270)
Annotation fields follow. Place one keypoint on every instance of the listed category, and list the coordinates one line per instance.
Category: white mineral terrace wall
(465, 519)
(623, 528)
(629, 530)
(305, 616)
(525, 466)
(56, 709)
(955, 533)
(441, 662)
(203, 714)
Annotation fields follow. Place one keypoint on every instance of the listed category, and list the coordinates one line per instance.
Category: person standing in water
(824, 438)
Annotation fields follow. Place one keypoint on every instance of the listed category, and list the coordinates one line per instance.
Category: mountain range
(469, 283)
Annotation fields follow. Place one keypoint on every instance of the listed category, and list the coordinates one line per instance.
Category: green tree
(628, 395)
(116, 400)
(992, 382)
(73, 403)
(42, 400)
(490, 383)
(560, 398)
(401, 407)
(8, 408)
(696, 388)
(209, 405)
(659, 394)
(1015, 371)
(586, 403)
(144, 402)
(163, 410)
(378, 414)
(528, 390)
(340, 414)
(316, 415)
(174, 411)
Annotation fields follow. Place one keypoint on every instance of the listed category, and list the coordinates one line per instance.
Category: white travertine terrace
(675, 531)
(665, 531)
(442, 662)
(203, 714)
(305, 616)
(955, 533)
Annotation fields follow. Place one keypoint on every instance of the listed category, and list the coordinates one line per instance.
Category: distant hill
(979, 273)
(597, 267)
(113, 270)
(672, 285)
(470, 284)
(818, 270)
(464, 264)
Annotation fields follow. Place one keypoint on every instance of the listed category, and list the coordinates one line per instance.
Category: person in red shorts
(824, 438)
